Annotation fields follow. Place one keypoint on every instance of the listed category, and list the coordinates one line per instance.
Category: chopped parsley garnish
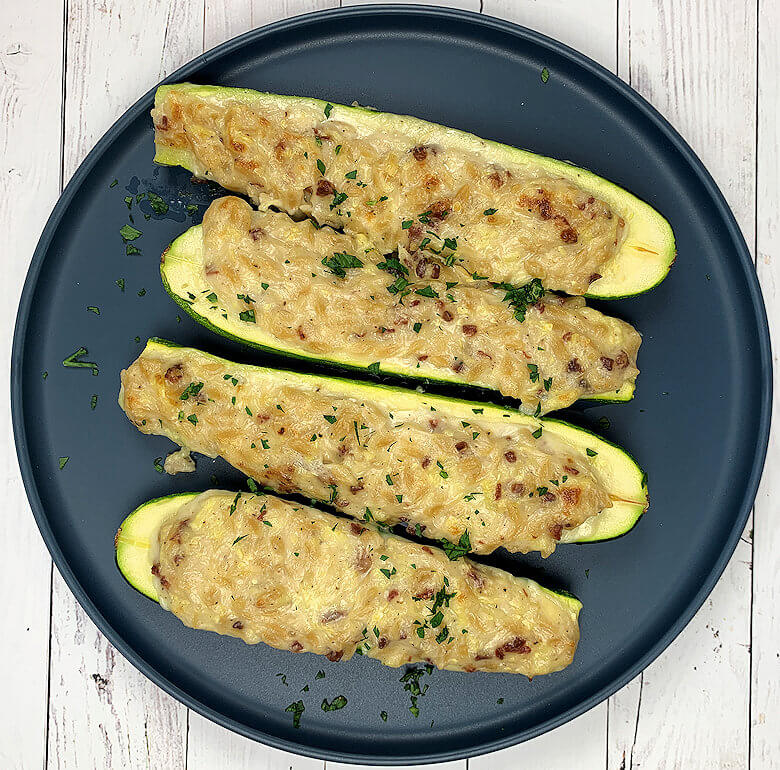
(73, 361)
(489, 212)
(340, 262)
(251, 484)
(248, 316)
(239, 539)
(604, 423)
(321, 167)
(120, 282)
(93, 309)
(548, 383)
(591, 452)
(114, 183)
(388, 573)
(93, 401)
(328, 109)
(521, 297)
(63, 461)
(406, 224)
(191, 209)
(234, 504)
(212, 297)
(129, 233)
(374, 368)
(319, 675)
(533, 372)
(426, 291)
(193, 418)
(297, 709)
(417, 327)
(644, 479)
(545, 75)
(351, 174)
(191, 390)
(331, 418)
(141, 292)
(454, 551)
(159, 206)
(337, 703)
(158, 465)
(538, 432)
(383, 715)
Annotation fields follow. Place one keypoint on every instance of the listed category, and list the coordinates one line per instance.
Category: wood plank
(469, 5)
(690, 707)
(765, 706)
(30, 105)
(102, 712)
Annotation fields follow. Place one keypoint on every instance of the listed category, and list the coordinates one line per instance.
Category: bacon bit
(566, 337)
(428, 593)
(174, 373)
(594, 277)
(457, 366)
(431, 182)
(518, 488)
(307, 191)
(164, 581)
(433, 423)
(482, 657)
(427, 550)
(422, 358)
(382, 642)
(469, 669)
(156, 569)
(441, 209)
(606, 363)
(469, 330)
(621, 359)
(461, 446)
(178, 558)
(331, 615)
(356, 528)
(319, 135)
(510, 456)
(545, 210)
(392, 594)
(257, 233)
(496, 180)
(334, 656)
(421, 267)
(414, 303)
(163, 124)
(497, 495)
(447, 316)
(402, 635)
(301, 333)
(262, 417)
(425, 462)
(548, 497)
(475, 579)
(362, 560)
(573, 366)
(435, 271)
(570, 495)
(281, 431)
(516, 645)
(484, 354)
(355, 488)
(238, 624)
(569, 235)
(571, 471)
(211, 270)
(324, 188)
(555, 531)
(420, 153)
(237, 146)
(621, 222)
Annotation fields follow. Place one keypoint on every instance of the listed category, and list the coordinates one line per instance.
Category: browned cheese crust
(267, 271)
(505, 484)
(264, 570)
(509, 223)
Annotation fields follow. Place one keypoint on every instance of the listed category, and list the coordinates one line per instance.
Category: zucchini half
(623, 479)
(641, 262)
(182, 269)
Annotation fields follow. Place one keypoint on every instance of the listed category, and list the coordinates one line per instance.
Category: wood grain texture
(30, 106)
(691, 708)
(102, 712)
(765, 638)
(468, 5)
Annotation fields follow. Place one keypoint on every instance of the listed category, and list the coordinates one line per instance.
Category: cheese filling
(511, 222)
(264, 570)
(478, 482)
(327, 294)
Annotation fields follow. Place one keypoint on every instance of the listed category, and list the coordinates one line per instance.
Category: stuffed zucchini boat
(474, 475)
(498, 211)
(268, 281)
(265, 570)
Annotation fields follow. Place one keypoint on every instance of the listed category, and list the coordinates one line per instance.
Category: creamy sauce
(511, 223)
(503, 484)
(266, 271)
(264, 570)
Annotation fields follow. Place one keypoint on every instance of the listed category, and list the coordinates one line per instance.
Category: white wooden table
(69, 68)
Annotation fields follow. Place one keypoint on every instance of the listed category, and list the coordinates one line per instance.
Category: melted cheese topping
(264, 570)
(505, 484)
(511, 223)
(266, 271)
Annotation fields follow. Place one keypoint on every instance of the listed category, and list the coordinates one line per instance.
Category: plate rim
(625, 92)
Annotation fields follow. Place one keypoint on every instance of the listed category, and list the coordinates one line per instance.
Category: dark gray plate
(699, 423)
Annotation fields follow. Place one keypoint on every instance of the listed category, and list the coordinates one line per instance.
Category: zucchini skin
(641, 263)
(623, 480)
